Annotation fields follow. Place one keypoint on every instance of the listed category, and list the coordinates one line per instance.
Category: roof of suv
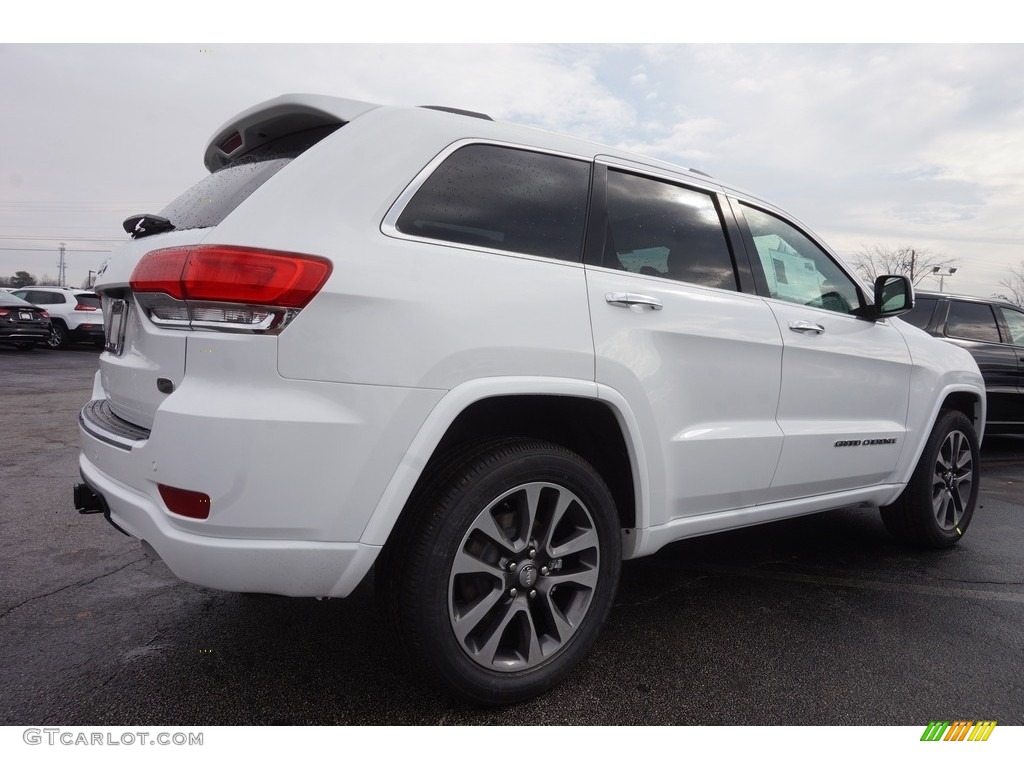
(989, 300)
(299, 111)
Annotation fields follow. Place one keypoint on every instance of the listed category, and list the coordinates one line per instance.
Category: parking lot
(822, 620)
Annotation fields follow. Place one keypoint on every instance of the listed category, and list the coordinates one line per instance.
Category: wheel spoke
(585, 577)
(489, 650)
(563, 503)
(534, 654)
(469, 621)
(583, 540)
(488, 526)
(466, 563)
(562, 626)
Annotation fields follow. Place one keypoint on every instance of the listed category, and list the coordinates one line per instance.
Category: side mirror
(894, 295)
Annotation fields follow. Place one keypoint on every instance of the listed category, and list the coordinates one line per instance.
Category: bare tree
(916, 263)
(1014, 285)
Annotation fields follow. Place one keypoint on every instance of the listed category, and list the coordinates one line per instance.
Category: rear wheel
(506, 576)
(938, 503)
(58, 336)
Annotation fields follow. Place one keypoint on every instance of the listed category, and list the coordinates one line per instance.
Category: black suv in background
(993, 332)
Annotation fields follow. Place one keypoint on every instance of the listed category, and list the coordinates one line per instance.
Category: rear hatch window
(88, 300)
(207, 203)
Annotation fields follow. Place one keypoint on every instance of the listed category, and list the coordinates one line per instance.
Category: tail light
(80, 307)
(43, 313)
(4, 312)
(226, 288)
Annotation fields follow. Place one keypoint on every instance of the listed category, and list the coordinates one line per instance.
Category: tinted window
(509, 199)
(208, 202)
(664, 230)
(41, 297)
(921, 314)
(796, 269)
(88, 299)
(968, 320)
(1015, 320)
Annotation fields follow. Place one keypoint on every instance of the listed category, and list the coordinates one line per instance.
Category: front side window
(968, 320)
(503, 198)
(664, 230)
(796, 269)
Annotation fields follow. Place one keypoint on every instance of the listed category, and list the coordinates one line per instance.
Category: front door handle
(617, 299)
(802, 326)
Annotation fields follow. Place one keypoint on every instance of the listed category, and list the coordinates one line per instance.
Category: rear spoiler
(273, 119)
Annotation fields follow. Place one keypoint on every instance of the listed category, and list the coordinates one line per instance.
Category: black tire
(58, 335)
(492, 622)
(938, 503)
(25, 346)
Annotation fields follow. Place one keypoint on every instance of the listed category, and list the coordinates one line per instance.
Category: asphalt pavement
(822, 620)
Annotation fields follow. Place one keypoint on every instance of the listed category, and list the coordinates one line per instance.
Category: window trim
(389, 224)
(761, 281)
(996, 318)
(598, 221)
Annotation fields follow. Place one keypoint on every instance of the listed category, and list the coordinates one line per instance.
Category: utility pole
(60, 267)
(913, 258)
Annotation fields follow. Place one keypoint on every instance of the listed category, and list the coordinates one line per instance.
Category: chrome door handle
(802, 326)
(632, 300)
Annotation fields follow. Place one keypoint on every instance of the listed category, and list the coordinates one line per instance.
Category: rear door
(973, 326)
(698, 360)
(845, 380)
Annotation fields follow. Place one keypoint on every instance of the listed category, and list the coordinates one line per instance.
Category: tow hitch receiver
(87, 501)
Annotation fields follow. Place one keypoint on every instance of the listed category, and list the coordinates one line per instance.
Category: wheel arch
(968, 400)
(568, 412)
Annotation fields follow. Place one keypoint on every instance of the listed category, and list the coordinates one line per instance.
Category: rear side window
(968, 320)
(661, 229)
(503, 198)
(1015, 322)
(207, 203)
(921, 314)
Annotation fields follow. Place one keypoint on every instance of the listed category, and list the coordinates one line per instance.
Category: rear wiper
(142, 224)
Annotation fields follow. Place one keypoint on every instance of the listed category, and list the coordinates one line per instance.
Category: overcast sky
(900, 145)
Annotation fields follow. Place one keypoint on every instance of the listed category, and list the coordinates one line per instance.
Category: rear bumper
(293, 471)
(297, 568)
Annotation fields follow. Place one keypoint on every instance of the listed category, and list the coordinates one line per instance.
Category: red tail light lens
(186, 503)
(194, 286)
(4, 312)
(43, 313)
(85, 308)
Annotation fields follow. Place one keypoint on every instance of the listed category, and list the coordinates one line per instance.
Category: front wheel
(509, 571)
(938, 503)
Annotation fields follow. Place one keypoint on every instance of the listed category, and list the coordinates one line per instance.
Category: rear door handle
(632, 300)
(802, 326)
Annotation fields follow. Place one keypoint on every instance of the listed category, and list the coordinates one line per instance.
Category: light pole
(949, 271)
(89, 280)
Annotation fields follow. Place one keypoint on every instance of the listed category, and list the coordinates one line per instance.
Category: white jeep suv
(494, 362)
(74, 314)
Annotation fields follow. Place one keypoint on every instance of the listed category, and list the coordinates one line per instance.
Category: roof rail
(454, 111)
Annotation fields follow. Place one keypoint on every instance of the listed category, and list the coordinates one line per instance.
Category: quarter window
(968, 320)
(796, 269)
(503, 198)
(664, 230)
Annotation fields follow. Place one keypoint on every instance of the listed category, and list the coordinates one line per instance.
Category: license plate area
(115, 325)
(25, 315)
